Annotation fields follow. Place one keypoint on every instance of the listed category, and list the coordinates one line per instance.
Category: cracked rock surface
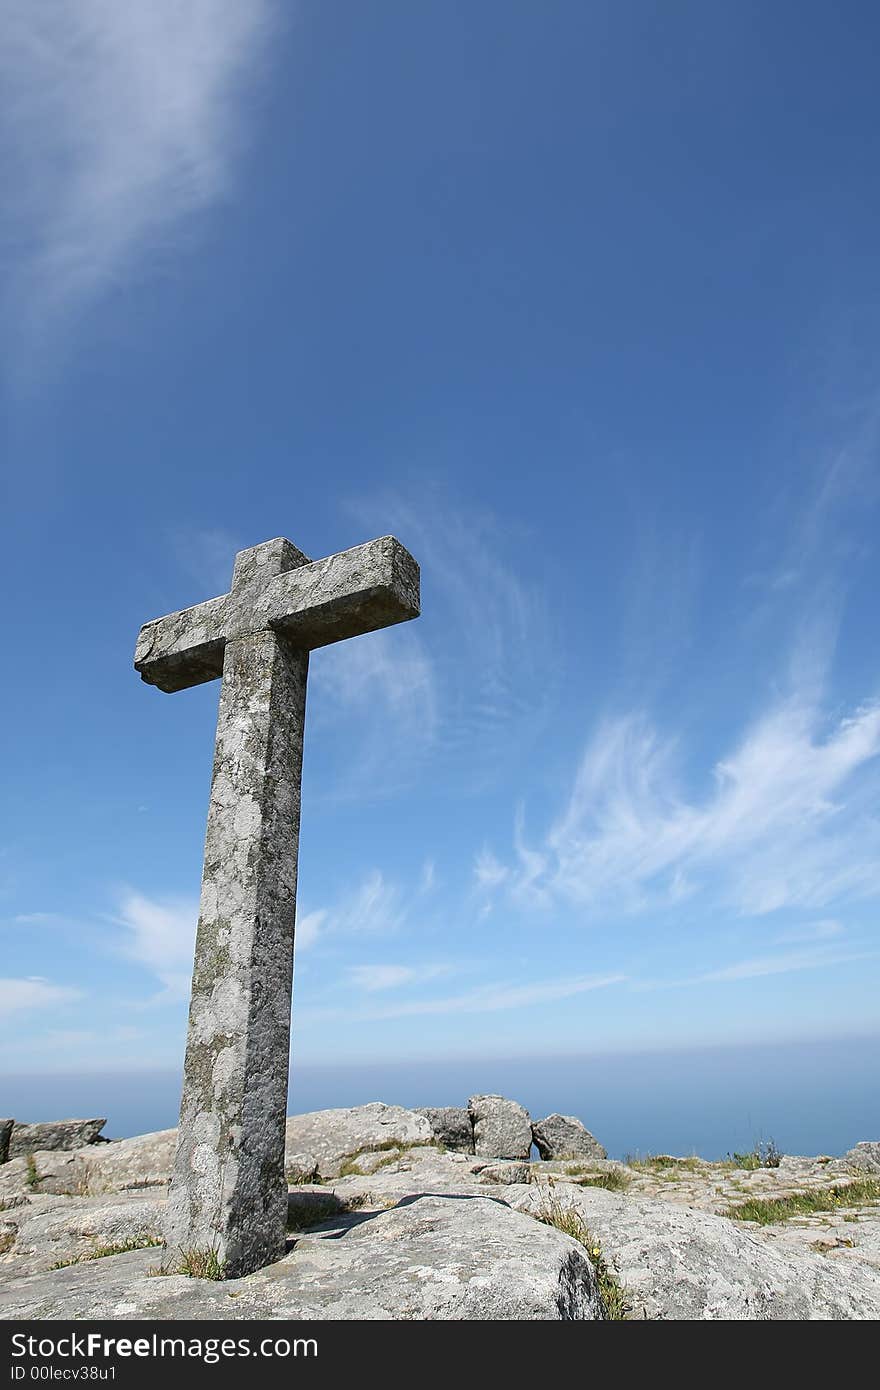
(411, 1229)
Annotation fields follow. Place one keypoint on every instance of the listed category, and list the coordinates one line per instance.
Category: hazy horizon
(809, 1097)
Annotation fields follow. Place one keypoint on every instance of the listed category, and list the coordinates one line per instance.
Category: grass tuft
(32, 1177)
(612, 1181)
(571, 1223)
(767, 1211)
(351, 1169)
(7, 1240)
(763, 1155)
(664, 1165)
(195, 1264)
(101, 1252)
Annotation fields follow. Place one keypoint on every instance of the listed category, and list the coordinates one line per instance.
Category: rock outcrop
(335, 1137)
(502, 1128)
(62, 1135)
(451, 1127)
(563, 1136)
(398, 1227)
(430, 1258)
(865, 1156)
(677, 1263)
(5, 1132)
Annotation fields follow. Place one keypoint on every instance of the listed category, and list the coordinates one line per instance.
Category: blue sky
(581, 301)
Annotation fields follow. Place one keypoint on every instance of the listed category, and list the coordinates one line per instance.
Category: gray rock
(505, 1173)
(865, 1156)
(451, 1125)
(5, 1132)
(300, 1167)
(49, 1231)
(62, 1135)
(501, 1127)
(679, 1263)
(228, 1191)
(563, 1136)
(336, 1137)
(143, 1161)
(432, 1258)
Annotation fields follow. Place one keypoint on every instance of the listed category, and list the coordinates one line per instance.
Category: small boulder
(144, 1160)
(563, 1136)
(5, 1132)
(335, 1137)
(299, 1168)
(452, 1127)
(505, 1174)
(502, 1128)
(60, 1134)
(865, 1156)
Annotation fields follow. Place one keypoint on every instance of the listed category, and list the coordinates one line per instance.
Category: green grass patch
(351, 1169)
(32, 1177)
(300, 1179)
(763, 1155)
(571, 1223)
(767, 1211)
(612, 1181)
(101, 1252)
(195, 1264)
(664, 1165)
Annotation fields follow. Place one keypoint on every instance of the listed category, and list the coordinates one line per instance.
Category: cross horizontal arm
(184, 648)
(359, 590)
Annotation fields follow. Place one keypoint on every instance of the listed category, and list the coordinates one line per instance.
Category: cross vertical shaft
(228, 1191)
(235, 1074)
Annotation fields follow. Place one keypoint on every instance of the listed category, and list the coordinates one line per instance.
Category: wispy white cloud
(308, 928)
(783, 964)
(489, 872)
(161, 936)
(494, 998)
(373, 978)
(757, 967)
(383, 684)
(376, 907)
(485, 999)
(34, 992)
(123, 121)
(492, 643)
(789, 820)
(40, 919)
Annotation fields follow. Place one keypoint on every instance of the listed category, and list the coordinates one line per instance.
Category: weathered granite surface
(57, 1134)
(451, 1125)
(503, 1173)
(865, 1156)
(563, 1136)
(334, 1137)
(502, 1128)
(669, 1235)
(228, 1192)
(682, 1264)
(431, 1258)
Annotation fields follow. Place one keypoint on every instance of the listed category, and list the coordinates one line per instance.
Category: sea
(817, 1097)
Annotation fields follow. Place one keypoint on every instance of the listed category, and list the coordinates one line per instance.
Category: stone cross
(228, 1192)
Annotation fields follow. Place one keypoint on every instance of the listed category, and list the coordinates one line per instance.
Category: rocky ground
(388, 1222)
